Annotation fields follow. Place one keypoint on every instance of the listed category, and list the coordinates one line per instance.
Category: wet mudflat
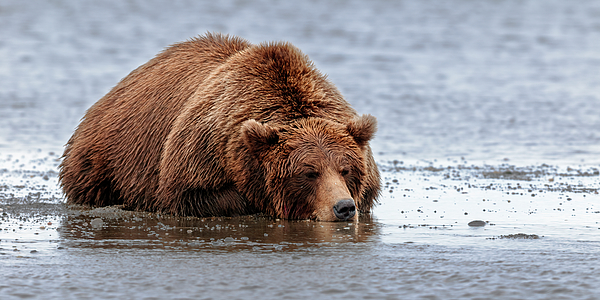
(488, 145)
(539, 238)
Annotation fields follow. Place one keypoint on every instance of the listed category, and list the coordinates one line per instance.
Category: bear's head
(311, 168)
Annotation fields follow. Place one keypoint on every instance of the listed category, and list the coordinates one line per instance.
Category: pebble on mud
(97, 223)
(477, 223)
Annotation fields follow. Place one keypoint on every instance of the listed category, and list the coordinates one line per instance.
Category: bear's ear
(362, 129)
(259, 137)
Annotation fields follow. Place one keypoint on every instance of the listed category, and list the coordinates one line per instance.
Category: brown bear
(216, 126)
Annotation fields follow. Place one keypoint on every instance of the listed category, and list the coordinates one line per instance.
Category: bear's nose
(344, 209)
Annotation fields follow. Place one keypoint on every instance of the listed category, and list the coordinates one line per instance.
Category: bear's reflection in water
(112, 227)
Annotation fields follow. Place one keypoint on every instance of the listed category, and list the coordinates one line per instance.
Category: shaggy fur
(218, 126)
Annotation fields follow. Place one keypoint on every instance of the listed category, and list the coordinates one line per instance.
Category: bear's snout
(344, 209)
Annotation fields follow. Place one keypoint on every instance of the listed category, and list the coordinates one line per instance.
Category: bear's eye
(312, 175)
(344, 172)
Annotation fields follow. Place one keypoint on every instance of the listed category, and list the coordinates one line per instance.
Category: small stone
(477, 223)
(97, 223)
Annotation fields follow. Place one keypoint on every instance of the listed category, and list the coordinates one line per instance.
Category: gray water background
(485, 80)
(460, 89)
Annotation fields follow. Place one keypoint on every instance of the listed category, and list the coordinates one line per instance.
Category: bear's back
(270, 83)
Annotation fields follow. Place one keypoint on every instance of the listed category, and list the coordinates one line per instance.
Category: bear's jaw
(333, 218)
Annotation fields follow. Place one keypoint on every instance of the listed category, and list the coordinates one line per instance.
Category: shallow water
(487, 111)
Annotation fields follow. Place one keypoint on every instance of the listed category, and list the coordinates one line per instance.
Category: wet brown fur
(217, 126)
